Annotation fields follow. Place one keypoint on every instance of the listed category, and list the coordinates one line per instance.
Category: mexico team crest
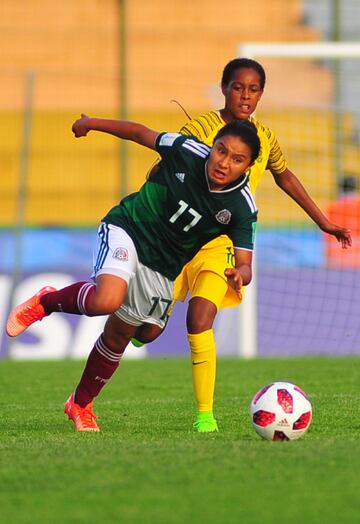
(223, 216)
(120, 253)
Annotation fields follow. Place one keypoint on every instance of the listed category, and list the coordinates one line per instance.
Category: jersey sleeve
(176, 145)
(276, 162)
(193, 128)
(205, 127)
(168, 143)
(243, 235)
(166, 140)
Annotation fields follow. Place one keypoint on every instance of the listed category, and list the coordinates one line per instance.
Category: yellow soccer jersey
(206, 127)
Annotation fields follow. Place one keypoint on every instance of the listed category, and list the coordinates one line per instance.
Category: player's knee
(148, 333)
(115, 340)
(200, 315)
(198, 324)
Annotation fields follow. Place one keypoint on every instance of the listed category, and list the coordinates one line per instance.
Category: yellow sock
(203, 365)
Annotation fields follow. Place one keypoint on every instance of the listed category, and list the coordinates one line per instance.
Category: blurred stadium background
(132, 59)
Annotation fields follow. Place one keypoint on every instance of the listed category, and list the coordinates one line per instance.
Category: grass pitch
(147, 466)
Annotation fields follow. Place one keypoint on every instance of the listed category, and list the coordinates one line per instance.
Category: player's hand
(81, 126)
(341, 234)
(234, 279)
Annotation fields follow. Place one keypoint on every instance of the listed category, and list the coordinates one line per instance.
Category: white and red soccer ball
(281, 411)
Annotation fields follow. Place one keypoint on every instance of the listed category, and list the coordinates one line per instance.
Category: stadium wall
(304, 306)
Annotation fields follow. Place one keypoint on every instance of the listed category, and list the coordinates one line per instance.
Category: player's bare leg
(145, 334)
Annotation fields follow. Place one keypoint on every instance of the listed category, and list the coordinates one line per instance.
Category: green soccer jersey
(175, 212)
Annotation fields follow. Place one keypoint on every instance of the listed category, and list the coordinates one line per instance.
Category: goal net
(305, 296)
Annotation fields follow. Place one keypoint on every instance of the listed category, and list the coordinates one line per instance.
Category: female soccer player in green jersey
(242, 84)
(196, 194)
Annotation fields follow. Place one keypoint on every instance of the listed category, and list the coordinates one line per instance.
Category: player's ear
(223, 89)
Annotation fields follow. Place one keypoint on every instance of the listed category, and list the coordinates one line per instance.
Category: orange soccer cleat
(83, 418)
(22, 316)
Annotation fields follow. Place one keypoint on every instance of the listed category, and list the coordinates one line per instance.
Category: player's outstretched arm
(292, 186)
(121, 128)
(241, 274)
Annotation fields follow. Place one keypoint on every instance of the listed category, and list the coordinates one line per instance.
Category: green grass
(148, 467)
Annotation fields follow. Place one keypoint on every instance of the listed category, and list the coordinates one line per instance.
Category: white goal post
(300, 50)
(247, 344)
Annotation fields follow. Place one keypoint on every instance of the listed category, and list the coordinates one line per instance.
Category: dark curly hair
(242, 63)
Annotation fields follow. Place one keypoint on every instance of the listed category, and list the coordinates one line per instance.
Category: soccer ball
(281, 411)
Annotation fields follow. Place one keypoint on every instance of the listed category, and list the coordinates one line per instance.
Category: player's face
(229, 159)
(242, 94)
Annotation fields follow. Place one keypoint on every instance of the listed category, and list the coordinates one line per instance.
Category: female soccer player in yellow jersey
(242, 85)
